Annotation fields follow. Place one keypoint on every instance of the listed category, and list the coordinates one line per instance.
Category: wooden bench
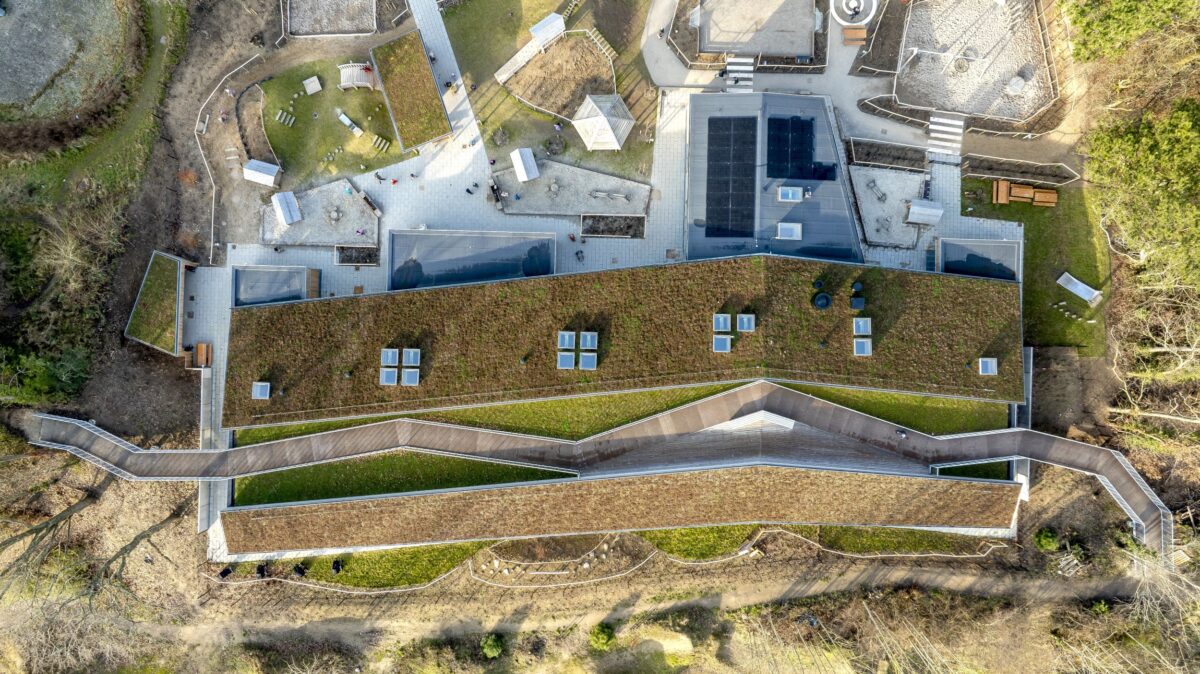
(1000, 191)
(854, 36)
(1021, 193)
(1047, 198)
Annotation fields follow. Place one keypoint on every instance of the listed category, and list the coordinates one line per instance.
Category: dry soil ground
(560, 78)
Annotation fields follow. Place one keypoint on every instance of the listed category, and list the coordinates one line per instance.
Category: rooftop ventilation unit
(589, 341)
(588, 360)
(988, 366)
(862, 346)
(388, 376)
(745, 322)
(721, 323)
(566, 360)
(412, 357)
(862, 327)
(722, 343)
(389, 357)
(566, 339)
(260, 390)
(410, 376)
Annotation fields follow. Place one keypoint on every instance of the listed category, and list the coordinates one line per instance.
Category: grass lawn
(388, 473)
(414, 98)
(709, 542)
(303, 147)
(996, 470)
(1066, 238)
(955, 320)
(253, 436)
(486, 33)
(935, 416)
(155, 317)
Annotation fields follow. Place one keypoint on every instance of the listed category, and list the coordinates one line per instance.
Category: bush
(602, 637)
(492, 645)
(500, 137)
(1100, 608)
(1046, 540)
(556, 144)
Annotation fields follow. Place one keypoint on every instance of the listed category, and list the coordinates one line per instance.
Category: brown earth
(560, 78)
(1071, 391)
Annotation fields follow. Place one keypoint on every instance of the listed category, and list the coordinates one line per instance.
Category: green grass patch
(700, 542)
(575, 418)
(388, 473)
(414, 98)
(391, 568)
(254, 436)
(935, 416)
(887, 540)
(1065, 238)
(155, 318)
(303, 148)
(995, 470)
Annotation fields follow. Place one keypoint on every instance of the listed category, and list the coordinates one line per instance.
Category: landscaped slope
(155, 318)
(414, 99)
(494, 342)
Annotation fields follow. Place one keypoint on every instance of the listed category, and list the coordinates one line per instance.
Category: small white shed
(924, 212)
(262, 173)
(548, 29)
(524, 164)
(287, 210)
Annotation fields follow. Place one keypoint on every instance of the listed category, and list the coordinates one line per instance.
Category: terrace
(495, 342)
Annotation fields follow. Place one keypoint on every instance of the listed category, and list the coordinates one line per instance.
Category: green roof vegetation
(254, 436)
(995, 470)
(1065, 238)
(316, 133)
(399, 567)
(155, 318)
(388, 473)
(935, 416)
(414, 98)
(655, 326)
(699, 543)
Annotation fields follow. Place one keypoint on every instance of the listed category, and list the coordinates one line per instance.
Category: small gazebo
(604, 122)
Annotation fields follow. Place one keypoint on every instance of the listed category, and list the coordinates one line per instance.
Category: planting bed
(632, 226)
(495, 342)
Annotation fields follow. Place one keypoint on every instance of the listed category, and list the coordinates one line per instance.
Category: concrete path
(636, 448)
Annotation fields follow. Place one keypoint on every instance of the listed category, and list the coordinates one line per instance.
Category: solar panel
(588, 360)
(412, 357)
(862, 346)
(589, 341)
(721, 323)
(745, 322)
(410, 376)
(260, 390)
(566, 360)
(988, 366)
(790, 150)
(862, 326)
(566, 339)
(387, 376)
(732, 159)
(722, 343)
(389, 357)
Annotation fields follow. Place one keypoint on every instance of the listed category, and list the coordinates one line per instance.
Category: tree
(602, 637)
(492, 645)
(1107, 28)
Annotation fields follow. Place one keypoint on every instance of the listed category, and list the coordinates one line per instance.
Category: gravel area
(330, 17)
(970, 54)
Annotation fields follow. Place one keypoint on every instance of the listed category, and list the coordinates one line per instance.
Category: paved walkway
(636, 448)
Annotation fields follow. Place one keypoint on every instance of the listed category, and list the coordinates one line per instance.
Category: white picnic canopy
(548, 29)
(1080, 289)
(924, 212)
(287, 210)
(261, 172)
(604, 122)
(524, 164)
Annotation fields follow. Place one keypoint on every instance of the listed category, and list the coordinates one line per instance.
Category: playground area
(308, 132)
(976, 57)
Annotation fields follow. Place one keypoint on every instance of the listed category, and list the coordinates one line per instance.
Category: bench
(1021, 193)
(854, 36)
(1047, 198)
(1000, 192)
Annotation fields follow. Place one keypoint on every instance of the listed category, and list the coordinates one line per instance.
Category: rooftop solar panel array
(790, 151)
(731, 195)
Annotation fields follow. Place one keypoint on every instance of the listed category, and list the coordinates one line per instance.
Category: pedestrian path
(946, 132)
(739, 73)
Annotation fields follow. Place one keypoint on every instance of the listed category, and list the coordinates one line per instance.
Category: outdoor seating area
(1005, 192)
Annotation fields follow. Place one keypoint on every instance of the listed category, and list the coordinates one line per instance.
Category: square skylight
(858, 303)
(261, 390)
(566, 339)
(588, 360)
(862, 326)
(745, 322)
(410, 376)
(791, 195)
(412, 357)
(389, 357)
(388, 376)
(566, 359)
(989, 366)
(589, 341)
(722, 343)
(721, 322)
(862, 346)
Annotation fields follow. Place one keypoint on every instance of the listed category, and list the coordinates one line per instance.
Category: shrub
(1046, 540)
(602, 637)
(1100, 608)
(500, 137)
(492, 645)
(556, 144)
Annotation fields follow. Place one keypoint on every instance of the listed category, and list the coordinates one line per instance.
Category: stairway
(602, 44)
(739, 73)
(570, 9)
